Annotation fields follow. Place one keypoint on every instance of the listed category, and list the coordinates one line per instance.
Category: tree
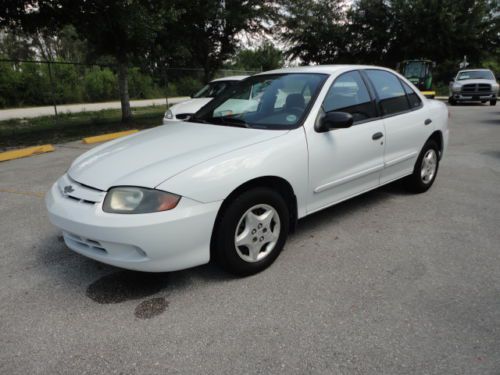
(124, 30)
(388, 31)
(314, 31)
(210, 28)
(369, 24)
(265, 57)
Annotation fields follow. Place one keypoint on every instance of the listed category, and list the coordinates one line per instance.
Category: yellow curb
(23, 152)
(107, 137)
(31, 193)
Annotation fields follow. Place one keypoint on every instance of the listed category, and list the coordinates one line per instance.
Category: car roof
(324, 69)
(230, 78)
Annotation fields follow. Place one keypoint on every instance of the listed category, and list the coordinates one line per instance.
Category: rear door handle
(427, 122)
(377, 135)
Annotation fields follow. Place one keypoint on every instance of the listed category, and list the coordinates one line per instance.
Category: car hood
(189, 106)
(151, 156)
(475, 81)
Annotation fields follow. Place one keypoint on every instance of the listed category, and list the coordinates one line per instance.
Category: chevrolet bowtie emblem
(68, 189)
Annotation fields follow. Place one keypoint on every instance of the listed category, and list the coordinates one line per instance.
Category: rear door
(407, 125)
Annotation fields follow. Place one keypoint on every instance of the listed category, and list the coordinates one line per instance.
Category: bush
(187, 86)
(141, 86)
(100, 85)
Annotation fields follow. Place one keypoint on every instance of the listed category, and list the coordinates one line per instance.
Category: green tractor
(419, 72)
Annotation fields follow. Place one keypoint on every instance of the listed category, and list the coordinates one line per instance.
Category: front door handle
(427, 122)
(377, 135)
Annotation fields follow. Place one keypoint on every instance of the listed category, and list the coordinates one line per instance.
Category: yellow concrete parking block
(107, 137)
(24, 152)
(429, 94)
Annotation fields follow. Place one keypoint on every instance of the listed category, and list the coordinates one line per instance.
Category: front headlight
(456, 87)
(136, 200)
(495, 87)
(169, 115)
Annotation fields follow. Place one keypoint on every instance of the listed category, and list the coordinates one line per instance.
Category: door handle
(377, 135)
(427, 122)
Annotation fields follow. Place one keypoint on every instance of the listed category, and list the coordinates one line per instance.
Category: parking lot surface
(386, 283)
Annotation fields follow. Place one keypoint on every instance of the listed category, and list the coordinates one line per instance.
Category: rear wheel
(251, 231)
(493, 102)
(425, 170)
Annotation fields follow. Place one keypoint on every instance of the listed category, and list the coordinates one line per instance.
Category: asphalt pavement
(386, 283)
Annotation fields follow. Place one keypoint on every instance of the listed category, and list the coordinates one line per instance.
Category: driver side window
(348, 93)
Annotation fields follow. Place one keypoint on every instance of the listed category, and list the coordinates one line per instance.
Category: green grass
(441, 89)
(70, 127)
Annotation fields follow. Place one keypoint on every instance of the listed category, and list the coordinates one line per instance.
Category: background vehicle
(474, 85)
(419, 72)
(184, 110)
(230, 183)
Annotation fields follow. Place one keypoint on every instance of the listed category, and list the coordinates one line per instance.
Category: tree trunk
(123, 88)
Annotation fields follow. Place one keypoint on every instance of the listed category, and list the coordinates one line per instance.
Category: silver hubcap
(257, 233)
(429, 165)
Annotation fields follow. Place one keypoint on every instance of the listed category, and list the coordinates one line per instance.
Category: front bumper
(473, 96)
(157, 242)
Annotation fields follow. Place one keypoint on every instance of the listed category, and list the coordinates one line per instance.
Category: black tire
(415, 183)
(493, 102)
(452, 101)
(224, 247)
(483, 101)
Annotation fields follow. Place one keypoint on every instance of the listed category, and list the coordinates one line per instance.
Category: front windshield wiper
(229, 120)
(199, 120)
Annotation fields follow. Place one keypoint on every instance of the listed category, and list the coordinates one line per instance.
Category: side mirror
(333, 120)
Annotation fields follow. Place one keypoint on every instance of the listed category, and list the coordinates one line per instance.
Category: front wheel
(493, 102)
(252, 231)
(452, 101)
(425, 170)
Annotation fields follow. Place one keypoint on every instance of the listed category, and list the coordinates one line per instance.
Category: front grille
(476, 88)
(79, 192)
(79, 200)
(468, 88)
(483, 87)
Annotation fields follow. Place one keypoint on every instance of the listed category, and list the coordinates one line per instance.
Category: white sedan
(182, 111)
(231, 183)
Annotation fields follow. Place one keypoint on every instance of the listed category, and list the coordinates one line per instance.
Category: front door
(345, 162)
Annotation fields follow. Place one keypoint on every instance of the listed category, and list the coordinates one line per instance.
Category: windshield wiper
(199, 120)
(231, 121)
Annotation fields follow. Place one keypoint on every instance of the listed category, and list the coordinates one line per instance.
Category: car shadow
(105, 284)
(350, 207)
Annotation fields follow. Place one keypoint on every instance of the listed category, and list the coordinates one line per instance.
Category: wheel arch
(273, 182)
(437, 137)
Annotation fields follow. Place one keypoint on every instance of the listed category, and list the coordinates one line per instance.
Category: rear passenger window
(349, 94)
(390, 92)
(412, 96)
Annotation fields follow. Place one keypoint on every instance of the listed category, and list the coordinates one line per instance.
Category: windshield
(213, 89)
(278, 101)
(475, 74)
(414, 69)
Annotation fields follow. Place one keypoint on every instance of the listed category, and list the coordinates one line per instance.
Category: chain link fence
(28, 83)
